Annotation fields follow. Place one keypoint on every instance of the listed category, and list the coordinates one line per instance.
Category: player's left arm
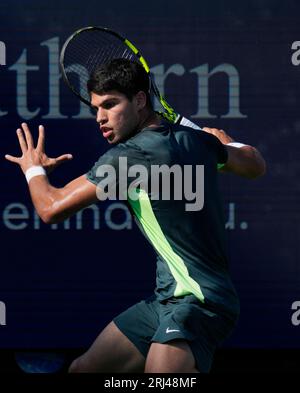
(245, 161)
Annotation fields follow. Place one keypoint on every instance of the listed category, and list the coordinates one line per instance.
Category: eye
(108, 105)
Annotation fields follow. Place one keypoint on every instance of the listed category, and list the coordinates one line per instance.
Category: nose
(101, 117)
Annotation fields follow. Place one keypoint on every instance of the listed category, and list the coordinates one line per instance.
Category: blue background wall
(62, 284)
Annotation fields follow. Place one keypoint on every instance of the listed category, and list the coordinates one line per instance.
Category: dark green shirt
(190, 245)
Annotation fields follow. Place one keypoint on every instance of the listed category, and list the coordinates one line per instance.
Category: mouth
(106, 132)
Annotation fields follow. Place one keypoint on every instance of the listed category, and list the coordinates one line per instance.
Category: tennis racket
(88, 48)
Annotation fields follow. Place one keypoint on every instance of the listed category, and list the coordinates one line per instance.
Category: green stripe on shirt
(144, 213)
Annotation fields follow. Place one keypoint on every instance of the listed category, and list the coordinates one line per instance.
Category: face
(117, 117)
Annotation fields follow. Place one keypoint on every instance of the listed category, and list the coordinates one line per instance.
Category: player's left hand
(35, 155)
(220, 134)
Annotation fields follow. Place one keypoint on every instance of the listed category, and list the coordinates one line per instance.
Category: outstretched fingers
(65, 157)
(41, 141)
(28, 136)
(22, 142)
(12, 158)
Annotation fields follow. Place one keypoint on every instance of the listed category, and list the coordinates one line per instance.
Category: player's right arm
(52, 204)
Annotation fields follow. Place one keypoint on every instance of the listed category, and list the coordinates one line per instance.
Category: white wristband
(236, 144)
(34, 171)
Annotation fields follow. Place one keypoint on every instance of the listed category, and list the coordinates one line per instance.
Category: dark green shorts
(177, 318)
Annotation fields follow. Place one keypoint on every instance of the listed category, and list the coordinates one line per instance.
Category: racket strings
(86, 52)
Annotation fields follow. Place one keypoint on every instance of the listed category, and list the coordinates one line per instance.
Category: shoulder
(128, 152)
(197, 135)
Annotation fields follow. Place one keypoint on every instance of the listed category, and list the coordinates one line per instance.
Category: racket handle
(187, 123)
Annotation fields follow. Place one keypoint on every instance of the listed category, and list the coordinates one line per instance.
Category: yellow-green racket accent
(170, 115)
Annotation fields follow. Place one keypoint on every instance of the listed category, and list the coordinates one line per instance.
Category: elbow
(258, 170)
(258, 165)
(52, 210)
(49, 216)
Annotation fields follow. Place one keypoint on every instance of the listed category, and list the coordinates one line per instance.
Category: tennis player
(194, 306)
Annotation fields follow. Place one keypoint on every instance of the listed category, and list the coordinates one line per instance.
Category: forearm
(45, 197)
(245, 161)
(54, 205)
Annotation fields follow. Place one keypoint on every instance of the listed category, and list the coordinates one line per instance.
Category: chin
(113, 141)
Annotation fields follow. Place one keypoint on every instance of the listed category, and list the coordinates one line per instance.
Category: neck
(149, 119)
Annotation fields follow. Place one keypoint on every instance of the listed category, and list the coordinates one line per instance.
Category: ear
(141, 100)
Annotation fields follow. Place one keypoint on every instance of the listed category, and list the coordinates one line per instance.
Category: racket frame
(169, 112)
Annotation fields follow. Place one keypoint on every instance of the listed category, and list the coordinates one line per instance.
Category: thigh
(139, 323)
(171, 357)
(112, 352)
(190, 331)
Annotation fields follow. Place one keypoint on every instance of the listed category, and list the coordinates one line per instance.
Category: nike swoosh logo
(172, 330)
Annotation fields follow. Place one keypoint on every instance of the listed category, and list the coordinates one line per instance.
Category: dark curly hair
(122, 75)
